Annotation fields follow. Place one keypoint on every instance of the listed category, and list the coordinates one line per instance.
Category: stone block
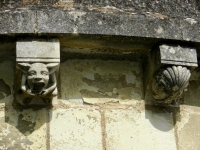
(17, 21)
(97, 22)
(75, 129)
(188, 128)
(98, 81)
(139, 130)
(38, 50)
(178, 55)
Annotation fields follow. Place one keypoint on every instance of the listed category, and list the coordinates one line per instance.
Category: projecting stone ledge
(57, 20)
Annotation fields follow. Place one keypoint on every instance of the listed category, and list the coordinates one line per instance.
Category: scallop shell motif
(169, 83)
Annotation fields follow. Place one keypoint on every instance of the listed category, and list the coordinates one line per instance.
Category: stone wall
(100, 106)
(102, 101)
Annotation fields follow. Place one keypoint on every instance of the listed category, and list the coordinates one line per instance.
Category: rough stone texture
(98, 81)
(191, 96)
(188, 128)
(143, 18)
(190, 29)
(139, 130)
(172, 8)
(75, 129)
(96, 22)
(178, 55)
(17, 22)
(22, 130)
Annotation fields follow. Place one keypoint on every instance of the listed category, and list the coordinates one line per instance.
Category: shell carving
(169, 83)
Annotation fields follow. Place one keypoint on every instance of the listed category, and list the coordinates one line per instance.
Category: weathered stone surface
(75, 129)
(144, 18)
(17, 22)
(139, 130)
(98, 81)
(94, 22)
(191, 96)
(172, 8)
(178, 55)
(22, 130)
(35, 50)
(6, 83)
(190, 29)
(188, 128)
(18, 129)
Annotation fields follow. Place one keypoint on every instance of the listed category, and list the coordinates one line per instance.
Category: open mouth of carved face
(37, 88)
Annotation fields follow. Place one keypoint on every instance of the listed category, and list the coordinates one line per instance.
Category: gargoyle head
(37, 75)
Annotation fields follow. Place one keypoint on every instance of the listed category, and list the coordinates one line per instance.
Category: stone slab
(17, 21)
(103, 20)
(75, 129)
(179, 55)
(38, 50)
(95, 22)
(139, 130)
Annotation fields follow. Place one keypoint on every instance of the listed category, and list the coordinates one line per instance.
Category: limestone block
(139, 130)
(97, 22)
(22, 130)
(98, 81)
(75, 129)
(38, 50)
(178, 55)
(188, 128)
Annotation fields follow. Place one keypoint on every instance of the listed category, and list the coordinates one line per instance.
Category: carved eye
(31, 73)
(45, 73)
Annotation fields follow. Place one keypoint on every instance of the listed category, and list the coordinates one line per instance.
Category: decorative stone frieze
(168, 72)
(37, 68)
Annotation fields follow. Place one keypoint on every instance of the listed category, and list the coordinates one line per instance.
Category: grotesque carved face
(37, 77)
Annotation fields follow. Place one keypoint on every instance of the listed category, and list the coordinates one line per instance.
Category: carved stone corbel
(37, 68)
(168, 72)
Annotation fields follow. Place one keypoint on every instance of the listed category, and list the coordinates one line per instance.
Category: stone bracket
(168, 72)
(37, 66)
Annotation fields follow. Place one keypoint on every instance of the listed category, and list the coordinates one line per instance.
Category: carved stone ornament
(39, 79)
(168, 71)
(37, 73)
(169, 83)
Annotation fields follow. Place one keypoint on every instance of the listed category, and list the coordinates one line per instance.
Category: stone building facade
(119, 75)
